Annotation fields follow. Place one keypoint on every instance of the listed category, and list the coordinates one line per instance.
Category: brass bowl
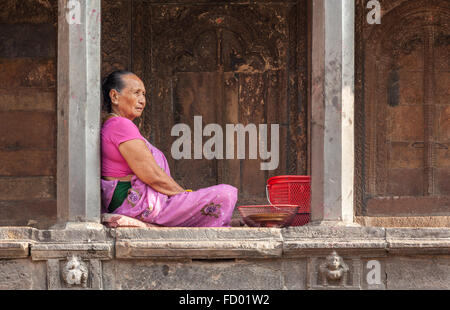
(279, 219)
(273, 217)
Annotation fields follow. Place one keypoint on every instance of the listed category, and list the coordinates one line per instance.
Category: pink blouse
(115, 131)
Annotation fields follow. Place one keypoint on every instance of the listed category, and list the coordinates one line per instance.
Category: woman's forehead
(132, 81)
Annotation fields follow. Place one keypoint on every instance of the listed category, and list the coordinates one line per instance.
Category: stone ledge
(14, 249)
(79, 232)
(197, 233)
(403, 221)
(44, 251)
(326, 232)
(432, 233)
(18, 233)
(198, 249)
(15, 241)
(418, 240)
(321, 247)
(302, 241)
(218, 243)
(86, 240)
(198, 243)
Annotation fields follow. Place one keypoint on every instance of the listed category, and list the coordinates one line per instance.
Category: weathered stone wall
(28, 35)
(224, 258)
(22, 274)
(400, 272)
(204, 274)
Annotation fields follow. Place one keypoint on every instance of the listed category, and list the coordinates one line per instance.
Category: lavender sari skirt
(207, 207)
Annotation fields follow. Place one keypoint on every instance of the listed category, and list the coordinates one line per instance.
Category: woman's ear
(114, 95)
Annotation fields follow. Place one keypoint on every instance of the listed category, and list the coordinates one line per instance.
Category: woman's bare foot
(237, 222)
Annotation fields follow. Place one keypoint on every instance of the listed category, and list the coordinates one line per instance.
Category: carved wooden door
(230, 64)
(407, 112)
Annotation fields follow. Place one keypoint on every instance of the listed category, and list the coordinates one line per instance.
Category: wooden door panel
(442, 55)
(402, 139)
(235, 63)
(158, 118)
(252, 111)
(442, 124)
(196, 94)
(411, 87)
(404, 182)
(230, 170)
(405, 123)
(230, 63)
(403, 155)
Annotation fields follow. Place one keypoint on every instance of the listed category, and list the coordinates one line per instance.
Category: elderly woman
(136, 179)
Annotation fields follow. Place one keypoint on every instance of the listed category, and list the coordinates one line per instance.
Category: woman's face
(130, 102)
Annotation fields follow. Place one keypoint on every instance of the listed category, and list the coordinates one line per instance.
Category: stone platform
(308, 257)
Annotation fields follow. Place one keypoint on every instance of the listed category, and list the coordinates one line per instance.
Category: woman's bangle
(188, 190)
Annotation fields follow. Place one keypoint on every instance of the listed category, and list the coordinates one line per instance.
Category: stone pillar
(332, 135)
(78, 159)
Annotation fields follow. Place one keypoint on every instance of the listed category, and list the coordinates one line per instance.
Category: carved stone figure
(334, 269)
(75, 272)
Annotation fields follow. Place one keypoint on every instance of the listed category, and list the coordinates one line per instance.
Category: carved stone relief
(74, 272)
(334, 272)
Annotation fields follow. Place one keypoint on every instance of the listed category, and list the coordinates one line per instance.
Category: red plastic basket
(292, 190)
(288, 214)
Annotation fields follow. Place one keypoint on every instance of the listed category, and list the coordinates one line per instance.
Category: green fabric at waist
(120, 194)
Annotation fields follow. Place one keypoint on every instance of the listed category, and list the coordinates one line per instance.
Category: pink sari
(207, 207)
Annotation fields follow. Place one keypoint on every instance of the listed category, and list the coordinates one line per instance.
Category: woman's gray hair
(113, 81)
